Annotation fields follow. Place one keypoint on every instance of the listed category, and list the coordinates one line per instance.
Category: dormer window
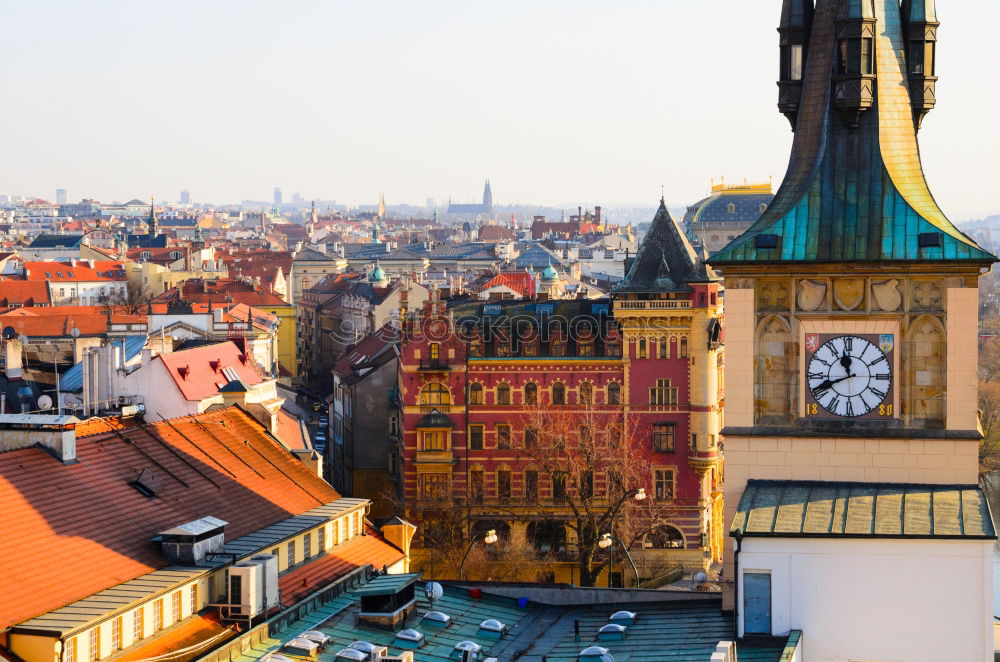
(145, 255)
(175, 255)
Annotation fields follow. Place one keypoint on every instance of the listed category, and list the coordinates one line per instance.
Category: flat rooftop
(667, 630)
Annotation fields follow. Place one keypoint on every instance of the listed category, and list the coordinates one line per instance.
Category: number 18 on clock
(849, 377)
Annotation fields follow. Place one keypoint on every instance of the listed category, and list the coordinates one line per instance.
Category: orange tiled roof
(58, 320)
(363, 550)
(519, 281)
(199, 372)
(91, 528)
(24, 292)
(103, 270)
(188, 633)
(290, 432)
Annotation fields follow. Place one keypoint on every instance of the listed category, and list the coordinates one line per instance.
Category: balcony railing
(652, 305)
(434, 365)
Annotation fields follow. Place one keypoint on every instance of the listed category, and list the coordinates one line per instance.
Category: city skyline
(599, 104)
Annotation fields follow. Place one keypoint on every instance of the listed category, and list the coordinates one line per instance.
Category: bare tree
(133, 299)
(596, 467)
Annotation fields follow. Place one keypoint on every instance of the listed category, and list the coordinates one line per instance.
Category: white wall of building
(879, 600)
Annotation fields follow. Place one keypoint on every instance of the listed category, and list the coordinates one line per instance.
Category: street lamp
(489, 538)
(608, 539)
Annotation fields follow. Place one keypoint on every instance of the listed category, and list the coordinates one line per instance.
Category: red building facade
(479, 379)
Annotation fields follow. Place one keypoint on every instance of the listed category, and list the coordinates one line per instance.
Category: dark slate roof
(56, 241)
(536, 256)
(854, 194)
(311, 255)
(665, 261)
(177, 222)
(361, 251)
(715, 208)
(146, 241)
(435, 420)
(817, 509)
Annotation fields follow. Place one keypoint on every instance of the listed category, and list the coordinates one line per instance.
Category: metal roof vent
(611, 632)
(466, 650)
(491, 628)
(373, 651)
(316, 636)
(438, 618)
(623, 617)
(351, 654)
(595, 654)
(409, 638)
(302, 647)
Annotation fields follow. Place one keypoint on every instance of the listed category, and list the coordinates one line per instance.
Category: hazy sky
(558, 102)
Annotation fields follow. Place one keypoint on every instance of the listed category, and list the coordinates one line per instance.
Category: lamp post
(489, 538)
(607, 539)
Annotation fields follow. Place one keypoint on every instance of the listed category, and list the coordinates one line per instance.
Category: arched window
(684, 347)
(435, 393)
(642, 348)
(503, 394)
(558, 394)
(665, 537)
(586, 393)
(531, 393)
(476, 394)
(614, 393)
(664, 352)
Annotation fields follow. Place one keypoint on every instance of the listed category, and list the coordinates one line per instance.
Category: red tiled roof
(363, 550)
(519, 281)
(24, 292)
(367, 348)
(496, 233)
(58, 320)
(290, 432)
(198, 372)
(103, 270)
(92, 528)
(188, 633)
(231, 290)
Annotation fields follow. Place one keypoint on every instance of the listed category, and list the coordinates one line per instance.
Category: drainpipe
(738, 535)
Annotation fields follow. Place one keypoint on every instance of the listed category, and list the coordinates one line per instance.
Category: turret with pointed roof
(855, 189)
(666, 261)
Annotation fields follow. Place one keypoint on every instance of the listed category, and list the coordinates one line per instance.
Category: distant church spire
(488, 197)
(381, 205)
(152, 223)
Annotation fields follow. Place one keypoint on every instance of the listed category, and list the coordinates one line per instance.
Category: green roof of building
(818, 509)
(387, 584)
(854, 194)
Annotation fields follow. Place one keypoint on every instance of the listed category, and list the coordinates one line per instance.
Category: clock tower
(852, 303)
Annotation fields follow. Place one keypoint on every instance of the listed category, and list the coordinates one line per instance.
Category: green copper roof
(853, 194)
(788, 508)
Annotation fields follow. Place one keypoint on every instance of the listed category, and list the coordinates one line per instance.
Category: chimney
(55, 434)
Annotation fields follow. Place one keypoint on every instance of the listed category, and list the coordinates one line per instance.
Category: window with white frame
(307, 551)
(194, 598)
(158, 614)
(291, 553)
(175, 606)
(94, 643)
(137, 625)
(70, 650)
(116, 634)
(322, 539)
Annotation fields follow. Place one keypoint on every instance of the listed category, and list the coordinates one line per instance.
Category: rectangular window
(137, 627)
(158, 614)
(116, 634)
(867, 55)
(585, 349)
(503, 485)
(476, 484)
(175, 607)
(530, 437)
(795, 63)
(663, 437)
(663, 484)
(94, 643)
(503, 436)
(434, 486)
(434, 440)
(531, 485)
(435, 351)
(274, 552)
(694, 441)
(586, 484)
(586, 435)
(663, 393)
(559, 487)
(322, 539)
(307, 550)
(70, 655)
(476, 437)
(291, 554)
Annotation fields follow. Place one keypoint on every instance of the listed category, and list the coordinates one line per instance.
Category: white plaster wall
(879, 600)
(159, 391)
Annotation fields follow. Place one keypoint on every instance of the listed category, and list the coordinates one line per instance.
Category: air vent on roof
(374, 652)
(491, 628)
(468, 650)
(316, 636)
(595, 654)
(184, 371)
(409, 638)
(147, 483)
(767, 241)
(438, 618)
(611, 632)
(351, 655)
(623, 617)
(302, 647)
(929, 239)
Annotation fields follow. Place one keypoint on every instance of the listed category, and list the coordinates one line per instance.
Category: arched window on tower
(684, 347)
(435, 393)
(614, 393)
(586, 393)
(476, 394)
(531, 393)
(558, 394)
(503, 394)
(642, 348)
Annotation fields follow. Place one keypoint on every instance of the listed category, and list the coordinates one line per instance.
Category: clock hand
(828, 383)
(845, 361)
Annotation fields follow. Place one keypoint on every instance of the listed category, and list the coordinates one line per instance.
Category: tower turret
(854, 59)
(152, 222)
(920, 26)
(796, 23)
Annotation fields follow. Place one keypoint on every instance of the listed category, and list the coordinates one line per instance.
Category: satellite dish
(433, 591)
(45, 402)
(70, 400)
(9, 333)
(700, 577)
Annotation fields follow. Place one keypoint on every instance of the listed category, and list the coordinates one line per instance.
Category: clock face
(849, 376)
